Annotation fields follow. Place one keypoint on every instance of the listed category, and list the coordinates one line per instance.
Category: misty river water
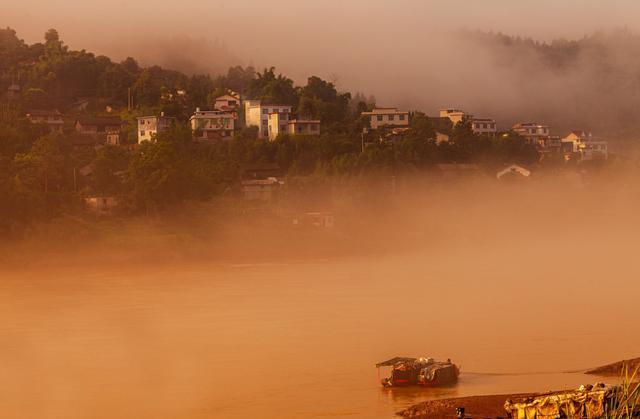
(301, 339)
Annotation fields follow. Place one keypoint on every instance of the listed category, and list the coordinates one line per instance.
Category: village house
(102, 129)
(227, 103)
(303, 127)
(552, 143)
(532, 132)
(150, 126)
(485, 126)
(212, 125)
(585, 146)
(52, 119)
(257, 115)
(279, 124)
(455, 115)
(387, 117)
(260, 182)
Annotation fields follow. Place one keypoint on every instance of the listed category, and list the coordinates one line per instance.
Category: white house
(211, 125)
(227, 103)
(257, 114)
(150, 126)
(483, 126)
(390, 117)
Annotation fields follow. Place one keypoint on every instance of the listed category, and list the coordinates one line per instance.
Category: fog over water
(503, 279)
(212, 313)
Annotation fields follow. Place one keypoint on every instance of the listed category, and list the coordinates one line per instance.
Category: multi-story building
(483, 126)
(532, 132)
(257, 114)
(389, 117)
(150, 126)
(212, 125)
(52, 119)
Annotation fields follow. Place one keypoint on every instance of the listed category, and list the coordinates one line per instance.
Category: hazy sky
(360, 43)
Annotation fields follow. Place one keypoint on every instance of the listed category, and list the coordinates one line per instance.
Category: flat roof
(304, 121)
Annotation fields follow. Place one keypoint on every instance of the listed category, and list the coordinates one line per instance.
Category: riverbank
(492, 406)
(475, 406)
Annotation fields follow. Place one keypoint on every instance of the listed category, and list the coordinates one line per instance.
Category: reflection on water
(301, 340)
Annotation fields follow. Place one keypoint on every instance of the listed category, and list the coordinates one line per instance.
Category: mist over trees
(41, 172)
(591, 83)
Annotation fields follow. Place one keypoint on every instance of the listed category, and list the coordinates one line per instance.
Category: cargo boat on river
(419, 371)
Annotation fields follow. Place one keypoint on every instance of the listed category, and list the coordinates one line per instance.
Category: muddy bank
(474, 406)
(617, 368)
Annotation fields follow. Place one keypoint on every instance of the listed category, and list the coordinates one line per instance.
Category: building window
(391, 117)
(401, 117)
(265, 111)
(315, 127)
(142, 133)
(379, 118)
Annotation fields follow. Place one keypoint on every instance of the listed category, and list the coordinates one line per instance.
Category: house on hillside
(455, 115)
(260, 189)
(585, 146)
(227, 103)
(101, 129)
(303, 127)
(532, 132)
(387, 117)
(52, 119)
(484, 126)
(150, 126)
(212, 125)
(278, 123)
(256, 114)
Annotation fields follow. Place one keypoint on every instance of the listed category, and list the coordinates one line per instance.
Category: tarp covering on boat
(393, 361)
(585, 402)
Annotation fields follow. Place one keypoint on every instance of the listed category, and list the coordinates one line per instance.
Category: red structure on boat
(419, 371)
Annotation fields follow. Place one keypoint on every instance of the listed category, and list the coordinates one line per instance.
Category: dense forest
(40, 172)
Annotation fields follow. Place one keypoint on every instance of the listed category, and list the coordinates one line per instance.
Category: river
(301, 339)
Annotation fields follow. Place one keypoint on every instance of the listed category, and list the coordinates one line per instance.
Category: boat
(419, 371)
